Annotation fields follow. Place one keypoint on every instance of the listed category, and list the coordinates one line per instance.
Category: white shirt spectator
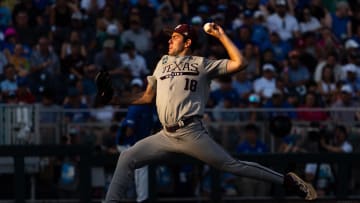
(86, 4)
(310, 26)
(265, 87)
(351, 68)
(346, 147)
(284, 26)
(319, 69)
(136, 65)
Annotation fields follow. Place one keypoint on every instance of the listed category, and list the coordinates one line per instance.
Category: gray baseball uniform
(182, 85)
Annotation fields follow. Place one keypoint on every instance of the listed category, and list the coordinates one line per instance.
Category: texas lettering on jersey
(179, 69)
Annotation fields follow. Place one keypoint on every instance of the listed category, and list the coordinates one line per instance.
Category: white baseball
(207, 27)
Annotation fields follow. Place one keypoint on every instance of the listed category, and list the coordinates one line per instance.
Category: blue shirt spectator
(5, 18)
(140, 119)
(280, 48)
(277, 101)
(251, 144)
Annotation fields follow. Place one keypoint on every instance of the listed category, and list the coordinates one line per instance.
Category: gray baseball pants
(192, 140)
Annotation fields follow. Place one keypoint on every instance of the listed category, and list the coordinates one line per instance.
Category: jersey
(182, 85)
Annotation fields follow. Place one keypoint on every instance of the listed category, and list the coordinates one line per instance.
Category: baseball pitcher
(180, 85)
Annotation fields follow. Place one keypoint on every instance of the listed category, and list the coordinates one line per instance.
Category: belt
(182, 123)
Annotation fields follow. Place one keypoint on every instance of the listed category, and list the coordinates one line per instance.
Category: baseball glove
(104, 87)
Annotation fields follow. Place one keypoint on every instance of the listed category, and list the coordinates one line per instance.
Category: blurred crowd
(301, 54)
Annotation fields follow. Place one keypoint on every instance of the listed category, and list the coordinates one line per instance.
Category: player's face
(176, 44)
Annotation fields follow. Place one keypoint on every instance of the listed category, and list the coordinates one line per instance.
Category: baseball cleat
(300, 187)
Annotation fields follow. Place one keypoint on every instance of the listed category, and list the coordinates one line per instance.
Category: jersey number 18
(190, 85)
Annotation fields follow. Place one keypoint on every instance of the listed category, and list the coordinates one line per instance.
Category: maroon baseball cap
(185, 30)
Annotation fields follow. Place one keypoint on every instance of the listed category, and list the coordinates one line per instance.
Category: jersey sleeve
(215, 68)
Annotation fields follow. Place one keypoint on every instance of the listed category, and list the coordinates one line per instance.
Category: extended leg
(143, 152)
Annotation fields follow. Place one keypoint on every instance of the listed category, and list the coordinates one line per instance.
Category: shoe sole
(311, 192)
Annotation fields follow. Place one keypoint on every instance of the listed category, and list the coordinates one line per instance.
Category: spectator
(9, 84)
(138, 35)
(265, 85)
(19, 60)
(252, 56)
(72, 66)
(109, 59)
(277, 101)
(147, 13)
(296, 75)
(327, 41)
(66, 47)
(5, 14)
(25, 31)
(352, 79)
(133, 61)
(339, 21)
(92, 7)
(11, 39)
(44, 59)
(311, 115)
(30, 10)
(254, 101)
(283, 22)
(340, 143)
(326, 85)
(44, 68)
(242, 36)
(107, 18)
(309, 23)
(225, 90)
(324, 177)
(252, 145)
(260, 33)
(165, 18)
(74, 101)
(345, 100)
(59, 17)
(23, 92)
(279, 48)
(3, 62)
(88, 82)
(351, 65)
(112, 33)
(243, 85)
(331, 60)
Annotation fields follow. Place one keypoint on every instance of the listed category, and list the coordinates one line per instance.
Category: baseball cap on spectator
(196, 20)
(347, 89)
(258, 14)
(248, 13)
(109, 43)
(77, 16)
(280, 2)
(254, 98)
(112, 30)
(136, 81)
(10, 32)
(268, 66)
(350, 68)
(350, 43)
